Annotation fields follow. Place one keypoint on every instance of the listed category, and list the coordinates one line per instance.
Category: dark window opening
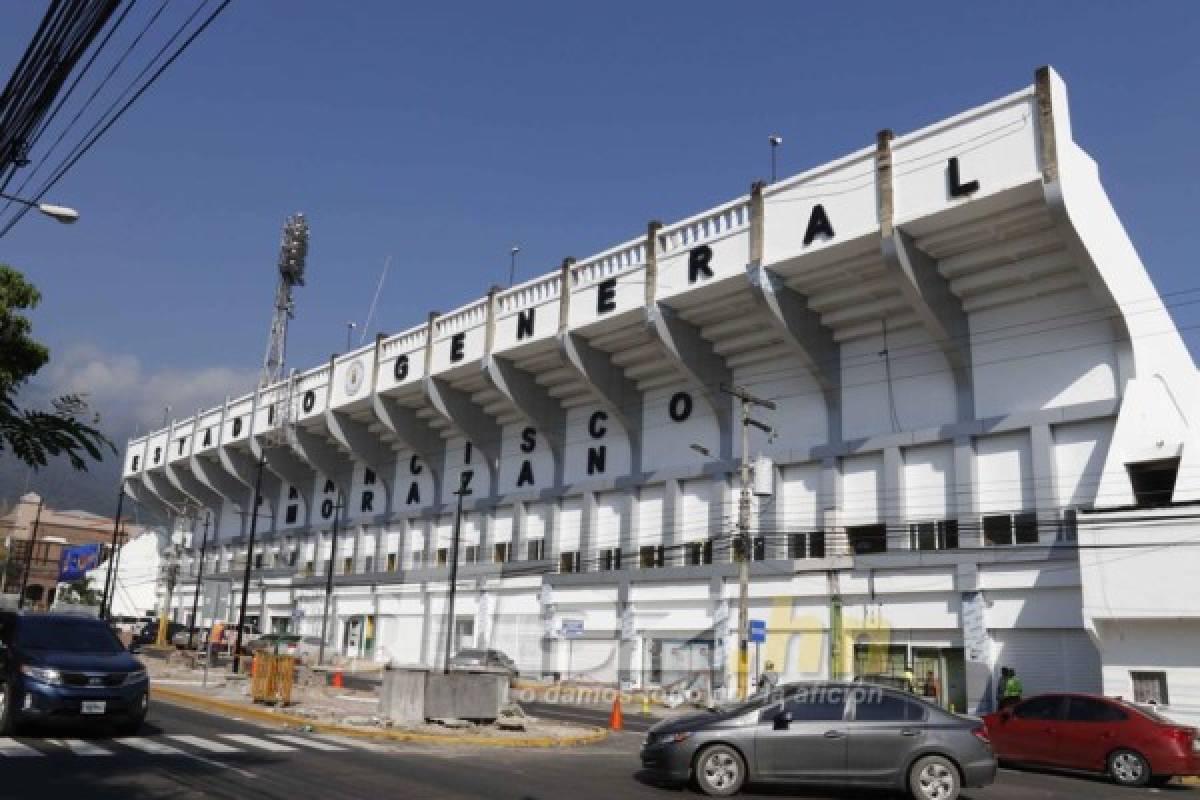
(500, 552)
(569, 561)
(535, 549)
(610, 559)
(1150, 687)
(939, 535)
(1153, 482)
(867, 539)
(651, 556)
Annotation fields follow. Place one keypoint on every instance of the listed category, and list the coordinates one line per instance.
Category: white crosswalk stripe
(303, 741)
(12, 748)
(81, 747)
(261, 744)
(150, 746)
(202, 743)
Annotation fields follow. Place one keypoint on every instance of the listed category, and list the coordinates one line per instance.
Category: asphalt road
(185, 754)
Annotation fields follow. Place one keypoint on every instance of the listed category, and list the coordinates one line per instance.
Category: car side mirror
(782, 720)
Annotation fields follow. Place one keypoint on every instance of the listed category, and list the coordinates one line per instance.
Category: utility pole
(112, 556)
(462, 492)
(172, 570)
(199, 580)
(337, 510)
(512, 265)
(29, 558)
(775, 141)
(237, 644)
(744, 547)
(117, 571)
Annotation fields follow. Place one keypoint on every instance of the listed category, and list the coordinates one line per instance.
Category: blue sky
(441, 134)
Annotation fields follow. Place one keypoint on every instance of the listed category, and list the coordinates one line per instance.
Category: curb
(203, 703)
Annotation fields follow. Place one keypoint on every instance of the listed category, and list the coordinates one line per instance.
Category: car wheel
(1128, 768)
(720, 770)
(933, 778)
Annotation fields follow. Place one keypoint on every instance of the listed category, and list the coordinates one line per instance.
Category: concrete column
(587, 533)
(1045, 482)
(553, 521)
(673, 522)
(829, 503)
(519, 527)
(970, 531)
(893, 499)
(773, 519)
(627, 538)
(487, 534)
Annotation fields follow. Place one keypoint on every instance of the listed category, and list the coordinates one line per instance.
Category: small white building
(965, 354)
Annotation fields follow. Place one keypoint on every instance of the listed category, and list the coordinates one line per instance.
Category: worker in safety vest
(1012, 689)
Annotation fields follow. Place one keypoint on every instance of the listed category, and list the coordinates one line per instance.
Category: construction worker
(768, 680)
(1012, 689)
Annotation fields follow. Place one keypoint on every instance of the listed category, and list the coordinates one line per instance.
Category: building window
(418, 557)
(258, 560)
(651, 556)
(391, 562)
(1004, 529)
(471, 554)
(865, 539)
(1153, 482)
(308, 569)
(501, 552)
(443, 556)
(610, 558)
(939, 535)
(368, 563)
(697, 553)
(568, 562)
(1150, 687)
(290, 515)
(535, 549)
(759, 548)
(347, 565)
(806, 545)
(292, 556)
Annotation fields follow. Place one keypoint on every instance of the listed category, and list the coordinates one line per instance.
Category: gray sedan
(835, 734)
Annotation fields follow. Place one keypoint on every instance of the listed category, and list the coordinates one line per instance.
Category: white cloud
(128, 396)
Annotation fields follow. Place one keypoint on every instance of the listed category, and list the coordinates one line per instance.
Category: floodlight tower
(292, 253)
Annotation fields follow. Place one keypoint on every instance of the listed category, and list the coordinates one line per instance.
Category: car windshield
(67, 635)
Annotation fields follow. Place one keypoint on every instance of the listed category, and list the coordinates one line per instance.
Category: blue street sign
(571, 628)
(758, 631)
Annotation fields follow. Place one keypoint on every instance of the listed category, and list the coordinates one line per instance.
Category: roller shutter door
(1049, 660)
(593, 660)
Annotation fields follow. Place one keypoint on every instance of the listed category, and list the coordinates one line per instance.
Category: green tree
(34, 436)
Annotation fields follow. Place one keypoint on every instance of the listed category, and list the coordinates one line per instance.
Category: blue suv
(68, 668)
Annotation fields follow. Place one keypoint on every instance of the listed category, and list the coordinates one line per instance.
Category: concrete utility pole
(254, 501)
(199, 580)
(462, 492)
(112, 554)
(172, 571)
(744, 548)
(337, 510)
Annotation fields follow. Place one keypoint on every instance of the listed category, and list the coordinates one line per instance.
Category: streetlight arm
(62, 214)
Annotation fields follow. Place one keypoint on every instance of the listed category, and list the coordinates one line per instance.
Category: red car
(1134, 745)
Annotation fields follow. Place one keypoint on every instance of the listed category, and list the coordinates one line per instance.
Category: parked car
(306, 649)
(848, 734)
(494, 659)
(148, 633)
(181, 637)
(1133, 744)
(68, 668)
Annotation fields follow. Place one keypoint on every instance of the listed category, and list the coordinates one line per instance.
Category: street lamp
(775, 141)
(512, 264)
(61, 213)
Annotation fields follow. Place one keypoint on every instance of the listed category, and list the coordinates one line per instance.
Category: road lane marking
(306, 742)
(202, 743)
(150, 746)
(81, 747)
(158, 748)
(262, 744)
(14, 749)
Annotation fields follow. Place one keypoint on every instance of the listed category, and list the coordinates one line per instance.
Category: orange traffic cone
(338, 683)
(615, 720)
(254, 667)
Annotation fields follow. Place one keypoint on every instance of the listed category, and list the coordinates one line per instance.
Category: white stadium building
(982, 421)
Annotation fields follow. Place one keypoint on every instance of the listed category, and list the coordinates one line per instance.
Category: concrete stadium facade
(966, 355)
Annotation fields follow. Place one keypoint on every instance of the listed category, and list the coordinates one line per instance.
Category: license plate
(92, 706)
